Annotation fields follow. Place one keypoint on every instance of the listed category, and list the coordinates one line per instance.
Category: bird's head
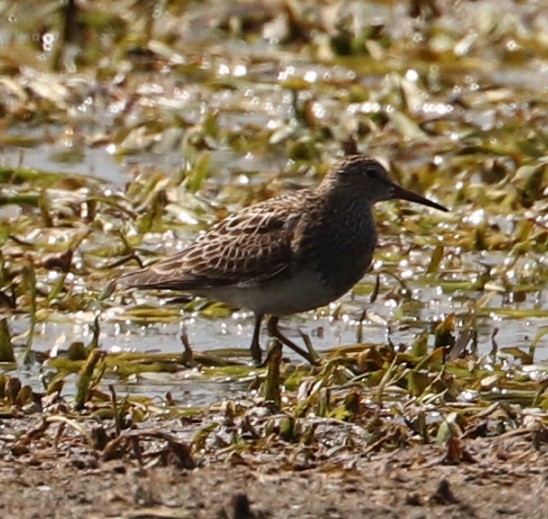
(367, 178)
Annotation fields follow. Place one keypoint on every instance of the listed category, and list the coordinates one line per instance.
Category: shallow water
(193, 388)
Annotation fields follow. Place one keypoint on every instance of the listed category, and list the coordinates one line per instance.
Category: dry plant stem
(272, 382)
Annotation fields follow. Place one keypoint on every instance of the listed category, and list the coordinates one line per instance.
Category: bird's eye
(371, 173)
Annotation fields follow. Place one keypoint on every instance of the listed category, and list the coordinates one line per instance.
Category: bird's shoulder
(262, 218)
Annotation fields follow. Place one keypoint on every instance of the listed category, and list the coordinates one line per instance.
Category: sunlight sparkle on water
(116, 107)
(475, 217)
(112, 313)
(438, 160)
(48, 39)
(406, 274)
(412, 75)
(377, 264)
(242, 180)
(187, 218)
(84, 317)
(273, 124)
(437, 108)
(311, 76)
(468, 396)
(151, 89)
(53, 275)
(286, 73)
(223, 70)
(59, 341)
(239, 70)
(319, 111)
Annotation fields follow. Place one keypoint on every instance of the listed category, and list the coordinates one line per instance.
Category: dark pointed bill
(406, 194)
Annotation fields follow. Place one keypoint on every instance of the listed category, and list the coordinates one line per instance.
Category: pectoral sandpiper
(289, 254)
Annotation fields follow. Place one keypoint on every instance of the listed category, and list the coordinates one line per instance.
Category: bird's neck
(349, 238)
(351, 206)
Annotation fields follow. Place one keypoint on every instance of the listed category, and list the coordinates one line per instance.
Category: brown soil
(503, 476)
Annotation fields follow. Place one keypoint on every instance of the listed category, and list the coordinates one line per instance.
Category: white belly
(302, 292)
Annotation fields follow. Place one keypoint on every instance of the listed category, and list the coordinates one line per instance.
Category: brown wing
(251, 245)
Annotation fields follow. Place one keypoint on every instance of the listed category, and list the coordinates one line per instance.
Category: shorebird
(289, 254)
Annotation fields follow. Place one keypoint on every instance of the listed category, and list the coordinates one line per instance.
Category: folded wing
(249, 246)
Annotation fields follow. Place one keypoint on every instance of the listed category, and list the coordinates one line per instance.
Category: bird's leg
(256, 352)
(275, 332)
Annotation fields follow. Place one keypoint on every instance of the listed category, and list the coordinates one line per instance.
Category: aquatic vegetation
(129, 127)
